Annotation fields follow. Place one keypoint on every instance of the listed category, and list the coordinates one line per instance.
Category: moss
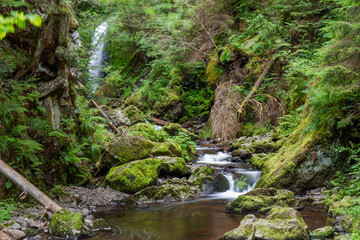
(280, 224)
(322, 233)
(199, 174)
(167, 149)
(134, 114)
(174, 166)
(124, 149)
(65, 223)
(261, 199)
(206, 131)
(137, 175)
(133, 177)
(301, 163)
(213, 72)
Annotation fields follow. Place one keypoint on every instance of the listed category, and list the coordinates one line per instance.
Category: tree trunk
(27, 187)
(257, 84)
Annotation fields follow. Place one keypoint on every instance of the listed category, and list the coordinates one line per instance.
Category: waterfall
(96, 58)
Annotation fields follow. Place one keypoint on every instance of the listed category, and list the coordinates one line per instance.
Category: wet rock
(14, 234)
(221, 183)
(280, 224)
(166, 192)
(322, 233)
(65, 223)
(208, 185)
(101, 225)
(198, 174)
(261, 199)
(343, 223)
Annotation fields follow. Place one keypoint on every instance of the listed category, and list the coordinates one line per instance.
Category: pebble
(85, 212)
(15, 226)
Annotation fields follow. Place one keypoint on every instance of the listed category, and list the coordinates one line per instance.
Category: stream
(201, 219)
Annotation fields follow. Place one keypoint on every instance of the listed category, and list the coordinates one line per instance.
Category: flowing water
(97, 56)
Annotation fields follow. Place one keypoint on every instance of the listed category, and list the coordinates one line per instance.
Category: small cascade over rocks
(97, 56)
(241, 177)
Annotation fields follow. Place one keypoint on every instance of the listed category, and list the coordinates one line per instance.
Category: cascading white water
(97, 56)
(222, 158)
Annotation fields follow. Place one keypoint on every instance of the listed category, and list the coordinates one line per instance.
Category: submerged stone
(260, 199)
(280, 224)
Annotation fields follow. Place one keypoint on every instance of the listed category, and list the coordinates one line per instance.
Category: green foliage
(148, 131)
(197, 103)
(19, 19)
(250, 129)
(6, 209)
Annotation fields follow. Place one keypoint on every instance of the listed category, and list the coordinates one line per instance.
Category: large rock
(137, 175)
(170, 190)
(261, 199)
(11, 234)
(322, 233)
(119, 118)
(198, 174)
(65, 223)
(221, 183)
(167, 149)
(302, 163)
(280, 224)
(123, 149)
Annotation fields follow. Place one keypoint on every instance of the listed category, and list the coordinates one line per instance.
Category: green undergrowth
(6, 208)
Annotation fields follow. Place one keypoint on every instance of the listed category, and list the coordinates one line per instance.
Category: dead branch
(28, 187)
(112, 126)
(258, 83)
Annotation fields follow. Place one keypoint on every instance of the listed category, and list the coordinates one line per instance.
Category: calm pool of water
(196, 220)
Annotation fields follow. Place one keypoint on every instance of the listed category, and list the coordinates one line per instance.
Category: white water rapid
(97, 56)
(239, 172)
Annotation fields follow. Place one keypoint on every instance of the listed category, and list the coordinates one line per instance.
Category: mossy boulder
(280, 224)
(264, 146)
(198, 174)
(134, 176)
(343, 223)
(119, 118)
(167, 149)
(303, 162)
(322, 233)
(261, 199)
(170, 106)
(337, 208)
(64, 223)
(169, 191)
(137, 175)
(175, 166)
(134, 115)
(123, 149)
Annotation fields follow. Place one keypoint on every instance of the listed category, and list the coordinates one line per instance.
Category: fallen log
(28, 187)
(112, 126)
(258, 83)
(159, 121)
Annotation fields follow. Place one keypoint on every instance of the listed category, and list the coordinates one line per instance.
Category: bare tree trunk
(29, 188)
(112, 126)
(230, 6)
(258, 83)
